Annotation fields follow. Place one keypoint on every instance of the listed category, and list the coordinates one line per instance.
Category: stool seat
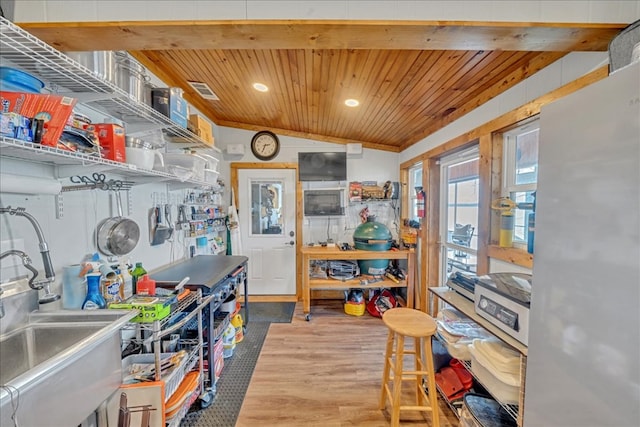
(409, 322)
(419, 327)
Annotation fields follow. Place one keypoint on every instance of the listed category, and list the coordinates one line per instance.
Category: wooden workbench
(312, 253)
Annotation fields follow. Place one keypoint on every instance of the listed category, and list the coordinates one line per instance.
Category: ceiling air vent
(204, 91)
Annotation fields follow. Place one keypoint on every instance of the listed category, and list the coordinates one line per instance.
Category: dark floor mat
(233, 382)
(273, 312)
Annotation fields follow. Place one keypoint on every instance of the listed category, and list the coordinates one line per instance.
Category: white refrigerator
(583, 367)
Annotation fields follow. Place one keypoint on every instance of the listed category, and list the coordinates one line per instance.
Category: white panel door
(267, 213)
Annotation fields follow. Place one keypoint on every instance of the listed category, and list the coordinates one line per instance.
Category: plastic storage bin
(172, 379)
(183, 165)
(500, 381)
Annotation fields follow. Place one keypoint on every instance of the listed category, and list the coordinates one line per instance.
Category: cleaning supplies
(228, 341)
(112, 288)
(136, 274)
(94, 299)
(127, 281)
(146, 286)
(236, 322)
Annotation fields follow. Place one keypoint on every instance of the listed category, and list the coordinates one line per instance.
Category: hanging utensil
(161, 232)
(117, 236)
(167, 216)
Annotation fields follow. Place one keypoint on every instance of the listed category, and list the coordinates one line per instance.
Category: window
(415, 181)
(460, 180)
(521, 173)
(266, 207)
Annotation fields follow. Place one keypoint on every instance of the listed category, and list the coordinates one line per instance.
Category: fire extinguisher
(421, 196)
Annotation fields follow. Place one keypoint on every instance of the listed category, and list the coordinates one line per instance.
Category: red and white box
(112, 141)
(53, 109)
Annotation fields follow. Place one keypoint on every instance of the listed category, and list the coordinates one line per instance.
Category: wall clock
(265, 145)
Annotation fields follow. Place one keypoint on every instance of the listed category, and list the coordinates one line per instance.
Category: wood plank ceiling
(411, 78)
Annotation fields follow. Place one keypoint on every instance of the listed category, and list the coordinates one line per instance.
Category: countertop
(203, 270)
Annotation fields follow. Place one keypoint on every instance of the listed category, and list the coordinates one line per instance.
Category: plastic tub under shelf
(503, 392)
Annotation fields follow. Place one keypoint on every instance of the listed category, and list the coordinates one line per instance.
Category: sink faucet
(50, 275)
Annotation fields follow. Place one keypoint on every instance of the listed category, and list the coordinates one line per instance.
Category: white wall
(71, 237)
(470, 10)
(371, 165)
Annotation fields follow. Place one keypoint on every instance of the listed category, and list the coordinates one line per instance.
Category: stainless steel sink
(27, 347)
(74, 316)
(58, 367)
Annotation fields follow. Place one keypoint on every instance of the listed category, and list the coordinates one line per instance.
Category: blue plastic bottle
(94, 299)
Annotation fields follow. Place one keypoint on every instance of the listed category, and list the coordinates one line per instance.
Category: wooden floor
(326, 372)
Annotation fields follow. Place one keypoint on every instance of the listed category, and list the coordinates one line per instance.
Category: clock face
(265, 145)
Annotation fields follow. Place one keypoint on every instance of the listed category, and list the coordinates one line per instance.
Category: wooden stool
(407, 322)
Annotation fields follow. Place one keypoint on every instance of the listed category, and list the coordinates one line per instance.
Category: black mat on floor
(272, 312)
(233, 382)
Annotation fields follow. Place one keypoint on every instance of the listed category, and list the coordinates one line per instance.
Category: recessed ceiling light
(351, 102)
(260, 87)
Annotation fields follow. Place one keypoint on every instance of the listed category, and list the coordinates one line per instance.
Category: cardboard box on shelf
(53, 109)
(169, 101)
(112, 140)
(201, 127)
(355, 191)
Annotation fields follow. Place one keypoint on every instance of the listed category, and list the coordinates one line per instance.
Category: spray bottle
(127, 280)
(94, 299)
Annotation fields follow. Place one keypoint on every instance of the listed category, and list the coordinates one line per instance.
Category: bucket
(101, 62)
(130, 76)
(229, 305)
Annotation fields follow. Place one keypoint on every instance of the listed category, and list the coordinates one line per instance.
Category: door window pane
(266, 208)
(459, 214)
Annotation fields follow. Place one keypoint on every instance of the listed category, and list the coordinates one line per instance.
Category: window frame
(509, 185)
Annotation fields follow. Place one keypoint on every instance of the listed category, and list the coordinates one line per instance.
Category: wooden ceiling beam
(325, 34)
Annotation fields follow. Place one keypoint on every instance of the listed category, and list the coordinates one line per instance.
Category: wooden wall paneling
(300, 269)
(403, 184)
(484, 208)
(512, 255)
(495, 185)
(431, 179)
